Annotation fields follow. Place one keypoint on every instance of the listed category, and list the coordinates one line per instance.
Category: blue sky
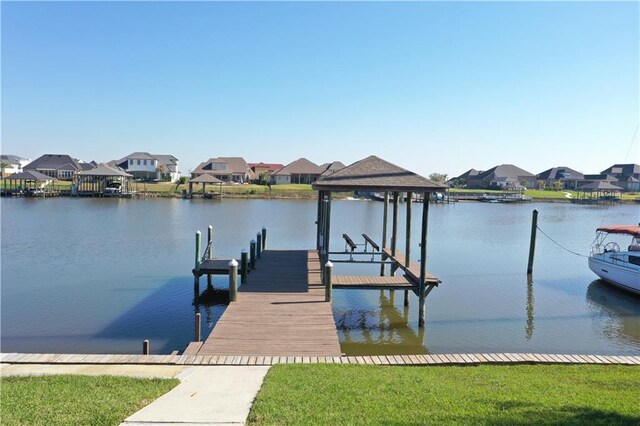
(434, 87)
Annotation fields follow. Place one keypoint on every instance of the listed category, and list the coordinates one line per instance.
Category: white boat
(613, 265)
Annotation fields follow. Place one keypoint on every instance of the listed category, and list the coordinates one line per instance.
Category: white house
(13, 164)
(145, 166)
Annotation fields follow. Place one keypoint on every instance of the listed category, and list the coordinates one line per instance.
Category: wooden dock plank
(279, 311)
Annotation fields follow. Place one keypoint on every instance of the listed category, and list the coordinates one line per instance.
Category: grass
(496, 395)
(74, 400)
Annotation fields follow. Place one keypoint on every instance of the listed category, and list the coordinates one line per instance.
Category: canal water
(101, 275)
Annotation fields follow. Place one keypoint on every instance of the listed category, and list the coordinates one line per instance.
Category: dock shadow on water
(166, 318)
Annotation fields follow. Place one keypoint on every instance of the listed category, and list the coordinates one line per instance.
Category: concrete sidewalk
(217, 395)
(206, 395)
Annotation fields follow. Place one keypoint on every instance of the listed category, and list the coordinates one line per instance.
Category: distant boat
(613, 265)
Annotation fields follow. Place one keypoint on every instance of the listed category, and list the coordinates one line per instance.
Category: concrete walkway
(206, 395)
(220, 395)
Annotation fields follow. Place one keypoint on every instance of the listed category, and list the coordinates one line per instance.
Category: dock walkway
(281, 310)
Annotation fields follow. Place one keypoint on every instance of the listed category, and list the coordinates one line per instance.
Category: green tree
(3, 166)
(438, 177)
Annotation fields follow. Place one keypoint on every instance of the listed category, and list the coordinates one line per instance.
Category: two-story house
(12, 164)
(151, 167)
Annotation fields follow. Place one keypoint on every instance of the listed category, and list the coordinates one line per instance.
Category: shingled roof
(205, 178)
(29, 175)
(301, 166)
(376, 174)
(104, 170)
(601, 186)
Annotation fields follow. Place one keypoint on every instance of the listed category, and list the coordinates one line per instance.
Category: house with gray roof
(627, 175)
(226, 169)
(299, 171)
(12, 164)
(151, 167)
(503, 176)
(566, 176)
(330, 168)
(463, 180)
(59, 166)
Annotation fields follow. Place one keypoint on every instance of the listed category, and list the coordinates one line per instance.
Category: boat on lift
(613, 265)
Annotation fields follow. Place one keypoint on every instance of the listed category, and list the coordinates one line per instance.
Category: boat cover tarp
(621, 229)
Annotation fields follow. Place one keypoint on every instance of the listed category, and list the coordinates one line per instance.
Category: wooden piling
(264, 238)
(198, 238)
(252, 254)
(394, 229)
(328, 281)
(532, 242)
(407, 249)
(233, 280)
(198, 329)
(327, 234)
(385, 217)
(146, 347)
(244, 265)
(259, 245)
(422, 290)
(210, 242)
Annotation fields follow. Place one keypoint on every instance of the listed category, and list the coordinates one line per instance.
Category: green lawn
(497, 395)
(76, 400)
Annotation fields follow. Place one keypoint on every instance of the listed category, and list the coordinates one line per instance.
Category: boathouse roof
(104, 170)
(375, 174)
(601, 186)
(205, 178)
(29, 175)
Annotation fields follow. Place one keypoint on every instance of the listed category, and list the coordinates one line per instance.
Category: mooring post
(407, 254)
(198, 325)
(210, 242)
(146, 347)
(252, 252)
(532, 243)
(259, 245)
(328, 282)
(422, 287)
(394, 230)
(198, 238)
(264, 238)
(244, 265)
(233, 280)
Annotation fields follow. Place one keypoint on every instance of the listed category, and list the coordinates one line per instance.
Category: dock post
(146, 347)
(328, 282)
(407, 255)
(532, 242)
(198, 327)
(244, 265)
(258, 245)
(198, 238)
(264, 238)
(252, 253)
(394, 230)
(385, 220)
(422, 284)
(233, 280)
(210, 242)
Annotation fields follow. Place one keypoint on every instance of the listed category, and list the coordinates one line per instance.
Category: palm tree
(3, 166)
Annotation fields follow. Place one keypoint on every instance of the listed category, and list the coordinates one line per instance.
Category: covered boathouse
(374, 174)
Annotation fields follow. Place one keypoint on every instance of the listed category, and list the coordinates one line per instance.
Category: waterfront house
(299, 171)
(463, 180)
(564, 177)
(59, 166)
(227, 169)
(263, 171)
(152, 167)
(627, 176)
(504, 176)
(331, 168)
(12, 164)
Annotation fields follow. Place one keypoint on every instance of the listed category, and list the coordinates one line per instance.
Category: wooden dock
(281, 310)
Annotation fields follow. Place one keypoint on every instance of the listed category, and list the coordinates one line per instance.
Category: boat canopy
(633, 230)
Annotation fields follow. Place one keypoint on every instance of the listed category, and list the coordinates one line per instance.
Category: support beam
(385, 220)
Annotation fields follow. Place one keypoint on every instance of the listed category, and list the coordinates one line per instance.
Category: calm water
(101, 275)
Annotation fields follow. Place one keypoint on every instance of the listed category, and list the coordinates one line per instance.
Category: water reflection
(382, 329)
(617, 312)
(530, 309)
